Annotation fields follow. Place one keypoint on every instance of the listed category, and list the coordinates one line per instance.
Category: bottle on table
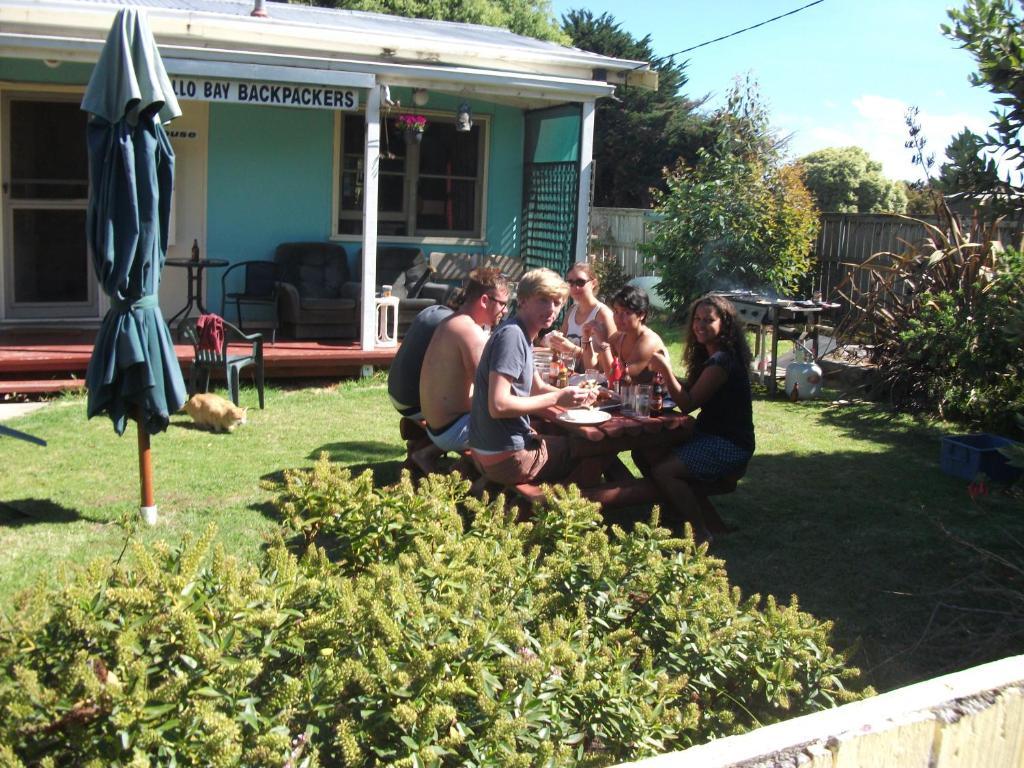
(626, 392)
(556, 367)
(658, 395)
(195, 250)
(563, 377)
(614, 375)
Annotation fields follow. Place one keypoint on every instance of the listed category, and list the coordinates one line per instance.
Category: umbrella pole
(148, 505)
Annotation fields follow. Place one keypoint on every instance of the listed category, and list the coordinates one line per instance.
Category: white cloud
(878, 125)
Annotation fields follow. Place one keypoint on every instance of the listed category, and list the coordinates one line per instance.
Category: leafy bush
(737, 218)
(611, 277)
(944, 320)
(733, 225)
(402, 637)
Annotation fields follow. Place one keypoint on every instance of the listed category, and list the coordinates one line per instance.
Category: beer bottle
(563, 377)
(556, 367)
(626, 390)
(658, 395)
(195, 251)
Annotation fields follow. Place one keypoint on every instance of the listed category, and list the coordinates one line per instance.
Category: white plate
(584, 416)
(578, 378)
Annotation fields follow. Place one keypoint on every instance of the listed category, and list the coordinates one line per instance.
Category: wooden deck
(35, 362)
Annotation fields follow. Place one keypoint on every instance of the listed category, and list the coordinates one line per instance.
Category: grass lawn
(842, 506)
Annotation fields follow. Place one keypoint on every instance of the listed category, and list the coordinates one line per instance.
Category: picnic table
(615, 486)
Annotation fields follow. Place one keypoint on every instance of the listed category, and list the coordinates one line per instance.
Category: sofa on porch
(408, 273)
(318, 297)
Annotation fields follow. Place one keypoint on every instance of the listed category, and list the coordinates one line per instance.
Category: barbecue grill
(792, 319)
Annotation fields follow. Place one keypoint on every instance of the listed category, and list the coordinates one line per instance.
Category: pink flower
(416, 123)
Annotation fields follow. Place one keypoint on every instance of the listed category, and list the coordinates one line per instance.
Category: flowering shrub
(400, 636)
(417, 123)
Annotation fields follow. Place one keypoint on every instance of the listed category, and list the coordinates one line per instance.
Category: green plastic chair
(225, 360)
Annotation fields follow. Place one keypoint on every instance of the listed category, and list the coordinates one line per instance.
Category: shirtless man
(449, 365)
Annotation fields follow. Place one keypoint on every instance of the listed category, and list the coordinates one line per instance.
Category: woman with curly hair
(717, 361)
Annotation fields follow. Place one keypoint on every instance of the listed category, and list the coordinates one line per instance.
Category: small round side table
(387, 321)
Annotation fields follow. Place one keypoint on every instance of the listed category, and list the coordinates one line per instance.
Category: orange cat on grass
(214, 412)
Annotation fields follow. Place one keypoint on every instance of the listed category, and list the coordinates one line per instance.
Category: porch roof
(396, 50)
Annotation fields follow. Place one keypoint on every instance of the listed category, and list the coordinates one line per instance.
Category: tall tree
(920, 197)
(966, 170)
(847, 180)
(533, 18)
(638, 133)
(737, 217)
(993, 31)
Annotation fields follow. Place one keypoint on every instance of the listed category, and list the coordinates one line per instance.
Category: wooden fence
(847, 240)
(619, 232)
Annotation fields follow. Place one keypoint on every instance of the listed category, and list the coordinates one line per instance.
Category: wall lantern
(464, 117)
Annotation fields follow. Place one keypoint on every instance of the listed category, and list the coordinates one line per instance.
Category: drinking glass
(642, 400)
(627, 394)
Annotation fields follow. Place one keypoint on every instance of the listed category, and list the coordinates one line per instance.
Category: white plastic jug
(806, 377)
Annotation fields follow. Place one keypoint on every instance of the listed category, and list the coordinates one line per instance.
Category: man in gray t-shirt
(507, 389)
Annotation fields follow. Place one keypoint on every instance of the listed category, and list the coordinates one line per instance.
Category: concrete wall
(970, 719)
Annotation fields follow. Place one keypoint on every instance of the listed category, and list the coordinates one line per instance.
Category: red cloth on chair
(210, 329)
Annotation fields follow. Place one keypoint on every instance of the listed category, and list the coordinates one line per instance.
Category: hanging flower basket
(413, 126)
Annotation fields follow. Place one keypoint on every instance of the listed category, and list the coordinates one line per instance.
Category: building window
(429, 188)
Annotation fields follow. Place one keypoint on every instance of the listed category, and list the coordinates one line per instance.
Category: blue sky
(838, 73)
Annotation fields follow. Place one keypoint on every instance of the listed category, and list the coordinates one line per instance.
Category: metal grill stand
(785, 319)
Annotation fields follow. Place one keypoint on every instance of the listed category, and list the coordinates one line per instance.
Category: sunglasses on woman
(578, 282)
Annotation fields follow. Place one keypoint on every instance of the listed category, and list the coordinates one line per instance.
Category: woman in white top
(585, 308)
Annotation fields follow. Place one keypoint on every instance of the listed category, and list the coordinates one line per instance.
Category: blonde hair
(542, 282)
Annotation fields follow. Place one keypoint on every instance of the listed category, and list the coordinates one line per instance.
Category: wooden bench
(703, 490)
(620, 493)
(414, 432)
(454, 268)
(628, 493)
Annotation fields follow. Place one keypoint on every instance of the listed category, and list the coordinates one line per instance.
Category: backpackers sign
(269, 94)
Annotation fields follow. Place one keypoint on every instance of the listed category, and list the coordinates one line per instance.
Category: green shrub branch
(379, 628)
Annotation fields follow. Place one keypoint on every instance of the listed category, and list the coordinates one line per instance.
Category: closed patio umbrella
(133, 372)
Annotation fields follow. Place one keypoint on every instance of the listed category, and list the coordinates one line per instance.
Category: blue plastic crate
(965, 456)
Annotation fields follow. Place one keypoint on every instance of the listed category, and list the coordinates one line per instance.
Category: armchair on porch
(248, 350)
(317, 297)
(259, 286)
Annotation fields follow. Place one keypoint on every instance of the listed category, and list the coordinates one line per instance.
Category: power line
(741, 31)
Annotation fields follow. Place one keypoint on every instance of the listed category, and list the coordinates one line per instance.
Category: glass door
(45, 190)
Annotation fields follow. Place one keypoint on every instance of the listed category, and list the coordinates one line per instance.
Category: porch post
(371, 173)
(586, 177)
